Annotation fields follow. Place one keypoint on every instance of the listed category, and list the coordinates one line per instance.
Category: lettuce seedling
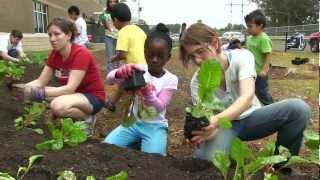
(30, 117)
(123, 175)
(67, 175)
(209, 77)
(22, 171)
(69, 133)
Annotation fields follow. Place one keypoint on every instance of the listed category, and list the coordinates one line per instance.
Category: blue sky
(212, 12)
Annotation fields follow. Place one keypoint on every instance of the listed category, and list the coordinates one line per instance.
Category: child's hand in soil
(125, 71)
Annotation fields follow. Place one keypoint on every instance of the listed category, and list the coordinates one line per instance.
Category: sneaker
(90, 121)
(110, 105)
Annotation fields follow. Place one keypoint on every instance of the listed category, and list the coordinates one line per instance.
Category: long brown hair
(197, 34)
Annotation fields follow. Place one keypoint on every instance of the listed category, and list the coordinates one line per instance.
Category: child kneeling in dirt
(150, 134)
(81, 94)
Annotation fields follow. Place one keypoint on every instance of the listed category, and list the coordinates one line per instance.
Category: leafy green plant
(209, 77)
(22, 171)
(145, 112)
(32, 114)
(11, 70)
(247, 163)
(6, 176)
(67, 175)
(312, 142)
(39, 57)
(123, 175)
(69, 133)
(198, 115)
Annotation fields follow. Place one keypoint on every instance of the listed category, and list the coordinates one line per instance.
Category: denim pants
(288, 118)
(148, 137)
(110, 44)
(262, 90)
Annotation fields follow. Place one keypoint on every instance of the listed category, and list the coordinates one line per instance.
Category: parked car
(314, 40)
(297, 40)
(230, 35)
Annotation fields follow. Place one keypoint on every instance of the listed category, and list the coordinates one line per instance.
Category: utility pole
(237, 4)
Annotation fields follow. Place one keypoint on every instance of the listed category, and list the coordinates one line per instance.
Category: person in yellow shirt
(131, 38)
(130, 44)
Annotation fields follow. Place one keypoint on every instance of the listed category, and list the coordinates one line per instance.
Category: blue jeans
(288, 118)
(110, 44)
(150, 138)
(262, 90)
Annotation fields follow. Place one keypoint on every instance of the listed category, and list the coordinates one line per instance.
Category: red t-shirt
(79, 59)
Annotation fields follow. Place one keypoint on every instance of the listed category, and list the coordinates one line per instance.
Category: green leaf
(76, 136)
(269, 176)
(224, 123)
(90, 178)
(57, 145)
(33, 159)
(128, 120)
(80, 125)
(50, 145)
(209, 77)
(222, 162)
(284, 151)
(147, 113)
(297, 160)
(123, 175)
(67, 125)
(45, 145)
(260, 162)
(6, 176)
(314, 156)
(311, 139)
(38, 130)
(268, 149)
(67, 175)
(22, 171)
(240, 151)
(57, 134)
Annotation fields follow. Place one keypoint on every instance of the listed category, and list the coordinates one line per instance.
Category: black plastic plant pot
(194, 124)
(135, 81)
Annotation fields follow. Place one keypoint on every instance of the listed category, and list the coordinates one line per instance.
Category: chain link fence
(281, 31)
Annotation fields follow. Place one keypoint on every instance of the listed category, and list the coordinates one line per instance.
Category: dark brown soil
(102, 160)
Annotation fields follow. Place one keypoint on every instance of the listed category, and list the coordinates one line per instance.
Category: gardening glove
(37, 94)
(125, 71)
(147, 91)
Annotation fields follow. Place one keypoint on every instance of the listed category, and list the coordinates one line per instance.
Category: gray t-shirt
(241, 66)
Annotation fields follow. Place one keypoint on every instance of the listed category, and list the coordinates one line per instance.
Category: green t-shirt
(260, 46)
(107, 18)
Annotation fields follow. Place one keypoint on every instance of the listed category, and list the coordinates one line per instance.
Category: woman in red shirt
(81, 93)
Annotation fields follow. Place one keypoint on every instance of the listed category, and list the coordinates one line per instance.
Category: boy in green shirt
(260, 45)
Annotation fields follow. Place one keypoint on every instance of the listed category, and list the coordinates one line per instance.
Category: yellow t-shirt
(131, 39)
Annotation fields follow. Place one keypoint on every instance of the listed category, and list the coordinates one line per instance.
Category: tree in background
(289, 12)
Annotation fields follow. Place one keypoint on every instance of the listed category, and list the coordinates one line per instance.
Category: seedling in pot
(198, 115)
(135, 81)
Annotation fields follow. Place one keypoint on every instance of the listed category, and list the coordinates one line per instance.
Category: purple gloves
(37, 94)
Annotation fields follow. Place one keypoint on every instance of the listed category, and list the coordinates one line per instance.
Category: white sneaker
(90, 121)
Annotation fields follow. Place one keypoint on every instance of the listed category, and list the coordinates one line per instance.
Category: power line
(231, 4)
